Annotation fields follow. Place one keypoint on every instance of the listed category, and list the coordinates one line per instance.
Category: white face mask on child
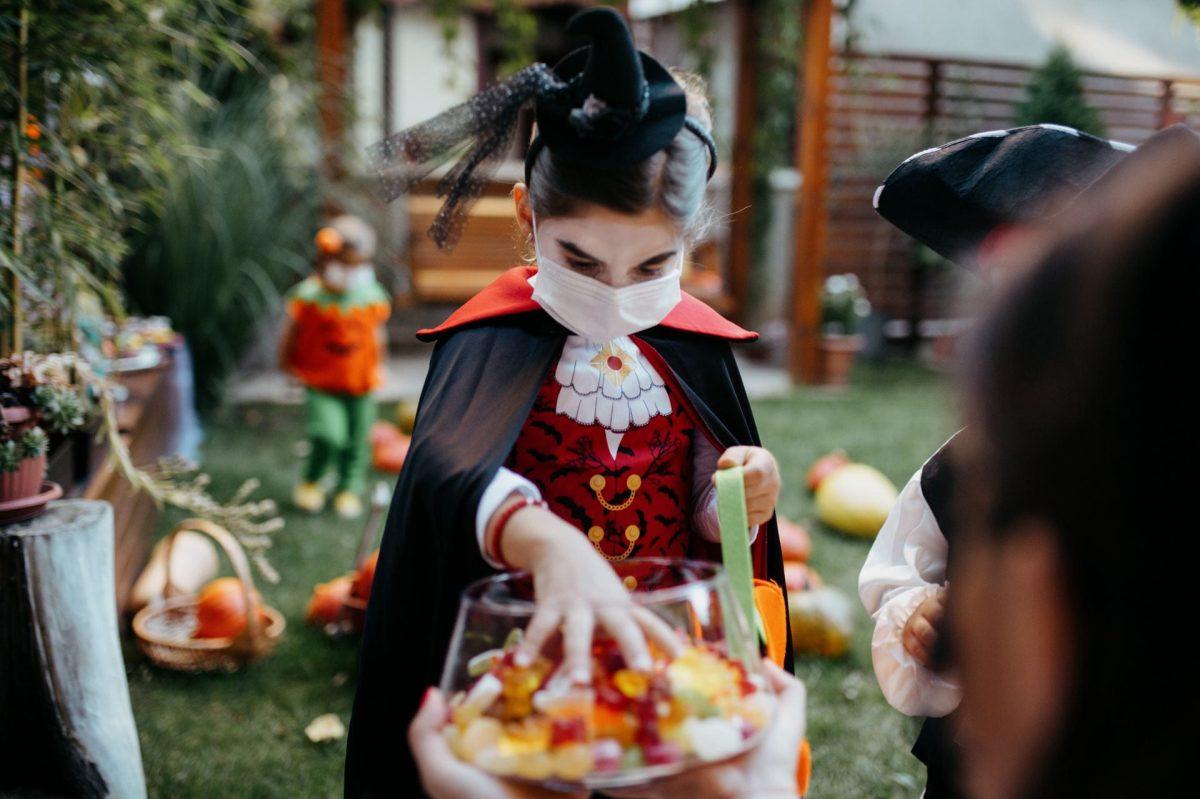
(341, 277)
(600, 312)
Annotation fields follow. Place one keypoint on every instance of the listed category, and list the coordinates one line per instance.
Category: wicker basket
(164, 627)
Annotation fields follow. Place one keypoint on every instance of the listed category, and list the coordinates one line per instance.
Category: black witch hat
(604, 105)
(951, 197)
(620, 106)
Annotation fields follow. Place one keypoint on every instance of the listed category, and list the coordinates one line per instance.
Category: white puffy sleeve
(906, 565)
(503, 485)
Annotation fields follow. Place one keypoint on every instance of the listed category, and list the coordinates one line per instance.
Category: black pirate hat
(951, 197)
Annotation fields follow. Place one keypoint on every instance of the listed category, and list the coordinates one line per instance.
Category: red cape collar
(511, 294)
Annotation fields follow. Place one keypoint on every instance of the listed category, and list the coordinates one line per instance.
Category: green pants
(339, 427)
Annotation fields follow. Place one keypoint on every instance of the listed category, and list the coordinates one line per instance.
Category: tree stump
(66, 724)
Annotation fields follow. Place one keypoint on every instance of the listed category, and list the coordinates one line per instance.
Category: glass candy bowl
(704, 702)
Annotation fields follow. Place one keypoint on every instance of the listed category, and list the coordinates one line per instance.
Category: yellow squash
(855, 499)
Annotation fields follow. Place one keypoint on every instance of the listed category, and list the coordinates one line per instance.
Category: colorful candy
(533, 723)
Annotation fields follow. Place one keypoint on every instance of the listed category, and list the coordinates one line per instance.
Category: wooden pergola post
(812, 122)
(331, 81)
(741, 190)
(12, 327)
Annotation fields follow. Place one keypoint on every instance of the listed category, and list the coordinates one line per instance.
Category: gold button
(597, 482)
(632, 533)
(631, 582)
(633, 482)
(596, 534)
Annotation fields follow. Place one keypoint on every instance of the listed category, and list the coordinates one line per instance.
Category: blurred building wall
(1129, 37)
(427, 75)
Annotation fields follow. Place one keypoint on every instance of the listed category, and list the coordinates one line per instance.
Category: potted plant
(40, 396)
(843, 307)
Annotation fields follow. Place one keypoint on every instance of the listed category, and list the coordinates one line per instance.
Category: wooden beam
(332, 56)
(387, 20)
(810, 217)
(13, 328)
(741, 190)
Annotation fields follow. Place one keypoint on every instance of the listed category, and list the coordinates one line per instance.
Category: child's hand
(923, 627)
(761, 477)
(576, 591)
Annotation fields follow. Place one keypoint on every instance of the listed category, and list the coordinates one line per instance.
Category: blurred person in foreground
(973, 201)
(1072, 605)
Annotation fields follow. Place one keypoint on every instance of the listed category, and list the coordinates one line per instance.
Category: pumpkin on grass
(800, 577)
(822, 622)
(365, 576)
(325, 606)
(221, 610)
(794, 540)
(856, 499)
(824, 466)
(389, 447)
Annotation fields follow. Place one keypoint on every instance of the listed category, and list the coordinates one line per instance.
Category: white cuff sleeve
(704, 494)
(908, 686)
(503, 485)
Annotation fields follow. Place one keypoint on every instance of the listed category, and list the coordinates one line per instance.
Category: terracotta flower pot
(25, 481)
(837, 358)
(16, 415)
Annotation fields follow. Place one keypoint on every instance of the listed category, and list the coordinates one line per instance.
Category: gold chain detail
(632, 534)
(632, 484)
(616, 558)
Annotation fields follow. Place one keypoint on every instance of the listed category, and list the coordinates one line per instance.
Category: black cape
(480, 389)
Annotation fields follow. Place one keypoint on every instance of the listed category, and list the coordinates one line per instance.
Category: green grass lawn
(243, 734)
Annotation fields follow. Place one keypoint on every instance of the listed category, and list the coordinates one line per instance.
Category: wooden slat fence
(885, 107)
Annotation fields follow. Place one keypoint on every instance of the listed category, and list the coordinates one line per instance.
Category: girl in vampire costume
(575, 410)
(964, 200)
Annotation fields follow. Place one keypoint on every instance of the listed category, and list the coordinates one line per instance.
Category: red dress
(632, 496)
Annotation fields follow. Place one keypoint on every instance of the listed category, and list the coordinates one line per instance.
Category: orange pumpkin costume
(336, 348)
(335, 352)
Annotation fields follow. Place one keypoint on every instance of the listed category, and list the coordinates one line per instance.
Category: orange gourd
(389, 456)
(365, 576)
(794, 540)
(800, 577)
(824, 466)
(383, 432)
(221, 610)
(325, 606)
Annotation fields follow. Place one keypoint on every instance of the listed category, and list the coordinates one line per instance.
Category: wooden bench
(490, 244)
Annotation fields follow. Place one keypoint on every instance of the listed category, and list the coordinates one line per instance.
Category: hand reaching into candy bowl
(698, 696)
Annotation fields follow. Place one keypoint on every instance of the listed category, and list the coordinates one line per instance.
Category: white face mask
(597, 311)
(341, 277)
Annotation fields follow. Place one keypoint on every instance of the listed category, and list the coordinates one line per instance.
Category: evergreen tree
(1055, 94)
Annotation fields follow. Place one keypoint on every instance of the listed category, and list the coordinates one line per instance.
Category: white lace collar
(609, 384)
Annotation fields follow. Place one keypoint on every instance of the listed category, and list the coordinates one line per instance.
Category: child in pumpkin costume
(334, 344)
